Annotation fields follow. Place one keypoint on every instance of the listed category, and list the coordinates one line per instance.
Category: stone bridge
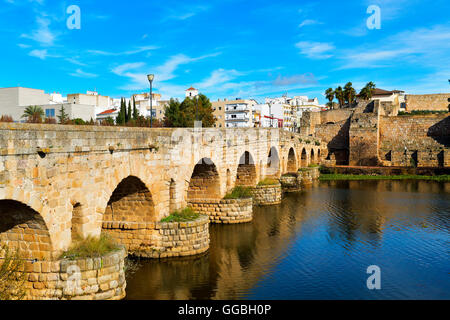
(58, 183)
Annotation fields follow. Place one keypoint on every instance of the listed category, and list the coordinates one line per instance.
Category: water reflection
(317, 245)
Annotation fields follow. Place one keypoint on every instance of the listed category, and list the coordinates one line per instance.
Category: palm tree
(349, 93)
(367, 92)
(34, 114)
(340, 96)
(329, 94)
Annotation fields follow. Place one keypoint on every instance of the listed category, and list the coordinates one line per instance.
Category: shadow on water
(317, 245)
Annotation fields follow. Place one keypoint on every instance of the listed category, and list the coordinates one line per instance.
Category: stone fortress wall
(372, 133)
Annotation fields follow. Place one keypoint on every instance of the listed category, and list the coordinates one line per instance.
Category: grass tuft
(239, 192)
(268, 182)
(91, 247)
(187, 214)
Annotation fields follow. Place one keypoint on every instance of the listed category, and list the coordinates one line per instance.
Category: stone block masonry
(289, 183)
(267, 195)
(162, 239)
(225, 211)
(101, 278)
(429, 102)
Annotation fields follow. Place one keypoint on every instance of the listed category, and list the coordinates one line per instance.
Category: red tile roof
(191, 89)
(109, 111)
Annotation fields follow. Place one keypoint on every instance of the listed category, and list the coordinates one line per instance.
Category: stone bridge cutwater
(60, 183)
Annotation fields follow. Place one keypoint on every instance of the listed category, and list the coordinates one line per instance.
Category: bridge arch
(292, 161)
(313, 159)
(131, 201)
(23, 228)
(204, 182)
(304, 158)
(273, 163)
(246, 171)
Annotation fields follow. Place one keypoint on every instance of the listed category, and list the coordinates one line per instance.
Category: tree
(34, 114)
(367, 92)
(129, 115)
(329, 94)
(182, 115)
(121, 116)
(340, 96)
(63, 116)
(172, 114)
(135, 111)
(349, 93)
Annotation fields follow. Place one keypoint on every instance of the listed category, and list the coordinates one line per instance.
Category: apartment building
(92, 98)
(239, 113)
(219, 112)
(142, 102)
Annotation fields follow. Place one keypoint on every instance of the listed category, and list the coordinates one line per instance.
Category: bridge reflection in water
(317, 245)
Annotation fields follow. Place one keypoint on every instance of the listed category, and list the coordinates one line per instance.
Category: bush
(6, 119)
(268, 182)
(91, 247)
(313, 165)
(307, 142)
(50, 121)
(187, 214)
(239, 192)
(317, 143)
(12, 276)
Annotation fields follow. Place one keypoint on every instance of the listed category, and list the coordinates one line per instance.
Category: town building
(99, 102)
(219, 112)
(191, 92)
(239, 113)
(142, 103)
(14, 101)
(110, 113)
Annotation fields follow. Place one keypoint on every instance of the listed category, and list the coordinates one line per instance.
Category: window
(233, 116)
(220, 108)
(49, 113)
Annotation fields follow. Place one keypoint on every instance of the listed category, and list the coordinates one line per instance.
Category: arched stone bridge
(61, 182)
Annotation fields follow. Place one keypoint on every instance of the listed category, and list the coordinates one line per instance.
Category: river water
(317, 245)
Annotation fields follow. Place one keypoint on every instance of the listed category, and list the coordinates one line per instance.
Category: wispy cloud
(164, 72)
(81, 74)
(424, 46)
(123, 53)
(186, 12)
(315, 50)
(308, 22)
(43, 35)
(41, 54)
(218, 77)
(307, 78)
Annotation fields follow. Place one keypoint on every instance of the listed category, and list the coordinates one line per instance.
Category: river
(318, 244)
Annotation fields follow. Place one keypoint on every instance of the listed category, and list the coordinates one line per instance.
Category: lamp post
(150, 78)
(270, 114)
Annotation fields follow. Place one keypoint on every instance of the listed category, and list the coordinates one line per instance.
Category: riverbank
(338, 176)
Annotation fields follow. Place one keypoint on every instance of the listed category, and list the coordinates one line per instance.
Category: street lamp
(150, 78)
(270, 113)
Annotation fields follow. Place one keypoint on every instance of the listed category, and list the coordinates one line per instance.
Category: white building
(191, 92)
(239, 113)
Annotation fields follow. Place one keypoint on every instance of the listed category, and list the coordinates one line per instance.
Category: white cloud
(423, 46)
(41, 54)
(217, 77)
(308, 22)
(315, 50)
(124, 53)
(81, 74)
(43, 35)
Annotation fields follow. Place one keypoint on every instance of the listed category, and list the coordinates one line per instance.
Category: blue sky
(226, 48)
